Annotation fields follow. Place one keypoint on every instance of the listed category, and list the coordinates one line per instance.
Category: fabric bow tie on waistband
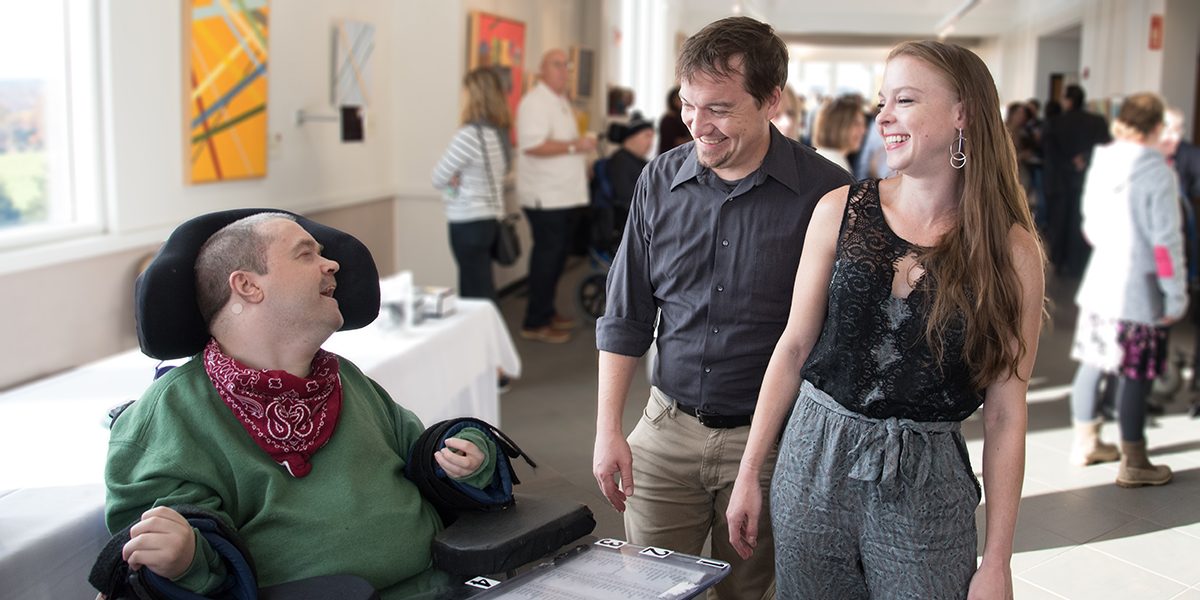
(890, 452)
(894, 448)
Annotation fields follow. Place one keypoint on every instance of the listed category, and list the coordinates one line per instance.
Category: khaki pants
(683, 474)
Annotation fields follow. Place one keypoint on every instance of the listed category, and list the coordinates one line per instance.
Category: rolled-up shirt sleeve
(627, 327)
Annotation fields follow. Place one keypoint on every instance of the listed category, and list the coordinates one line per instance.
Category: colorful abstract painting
(354, 42)
(498, 42)
(225, 89)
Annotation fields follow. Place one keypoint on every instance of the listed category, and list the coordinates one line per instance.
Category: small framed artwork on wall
(582, 72)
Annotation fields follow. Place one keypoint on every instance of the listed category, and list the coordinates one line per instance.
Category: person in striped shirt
(471, 175)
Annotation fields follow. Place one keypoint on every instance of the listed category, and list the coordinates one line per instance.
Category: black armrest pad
(344, 587)
(482, 543)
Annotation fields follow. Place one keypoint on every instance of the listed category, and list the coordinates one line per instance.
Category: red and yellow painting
(225, 89)
(499, 42)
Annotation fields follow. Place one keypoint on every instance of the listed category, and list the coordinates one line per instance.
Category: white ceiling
(904, 19)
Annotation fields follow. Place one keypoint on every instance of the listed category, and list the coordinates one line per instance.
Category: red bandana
(289, 417)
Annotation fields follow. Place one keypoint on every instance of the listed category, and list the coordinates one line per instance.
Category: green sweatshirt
(355, 513)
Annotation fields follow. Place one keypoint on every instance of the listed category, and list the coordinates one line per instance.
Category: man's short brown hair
(712, 51)
(239, 246)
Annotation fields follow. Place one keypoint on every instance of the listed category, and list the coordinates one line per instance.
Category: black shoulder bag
(506, 249)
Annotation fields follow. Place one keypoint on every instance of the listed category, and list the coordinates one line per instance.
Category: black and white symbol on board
(716, 564)
(656, 552)
(483, 583)
(611, 543)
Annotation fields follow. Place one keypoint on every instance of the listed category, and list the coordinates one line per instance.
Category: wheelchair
(590, 295)
(607, 227)
(169, 326)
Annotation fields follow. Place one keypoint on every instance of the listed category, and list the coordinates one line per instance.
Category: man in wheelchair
(613, 180)
(289, 446)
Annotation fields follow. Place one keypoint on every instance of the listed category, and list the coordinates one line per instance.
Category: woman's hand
(745, 506)
(991, 582)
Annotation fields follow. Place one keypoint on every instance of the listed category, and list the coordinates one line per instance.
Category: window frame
(74, 159)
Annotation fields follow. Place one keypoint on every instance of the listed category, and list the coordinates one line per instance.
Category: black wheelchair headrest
(169, 324)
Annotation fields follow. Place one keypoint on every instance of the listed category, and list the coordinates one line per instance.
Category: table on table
(53, 439)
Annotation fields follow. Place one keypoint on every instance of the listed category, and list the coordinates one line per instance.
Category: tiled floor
(1079, 536)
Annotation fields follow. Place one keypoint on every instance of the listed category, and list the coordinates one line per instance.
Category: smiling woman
(939, 267)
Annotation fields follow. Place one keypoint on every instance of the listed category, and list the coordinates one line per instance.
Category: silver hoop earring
(958, 159)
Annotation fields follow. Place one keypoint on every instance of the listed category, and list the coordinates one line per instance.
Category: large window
(647, 59)
(48, 176)
(824, 78)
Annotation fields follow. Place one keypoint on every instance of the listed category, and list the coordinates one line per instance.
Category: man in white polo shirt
(552, 186)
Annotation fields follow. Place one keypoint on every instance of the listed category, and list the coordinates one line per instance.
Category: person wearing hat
(614, 179)
(293, 447)
(625, 166)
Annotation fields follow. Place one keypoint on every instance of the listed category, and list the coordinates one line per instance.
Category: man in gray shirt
(713, 242)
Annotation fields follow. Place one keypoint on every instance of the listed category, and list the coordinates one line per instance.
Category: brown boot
(1087, 448)
(1136, 470)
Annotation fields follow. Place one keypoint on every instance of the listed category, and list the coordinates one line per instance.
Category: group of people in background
(1133, 289)
(550, 160)
(1137, 214)
(556, 179)
(1115, 205)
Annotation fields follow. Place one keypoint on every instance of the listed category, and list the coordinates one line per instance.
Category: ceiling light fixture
(946, 26)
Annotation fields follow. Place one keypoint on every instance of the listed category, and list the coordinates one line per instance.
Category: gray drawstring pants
(871, 508)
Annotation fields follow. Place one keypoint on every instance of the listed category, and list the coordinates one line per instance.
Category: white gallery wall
(1115, 55)
(308, 168)
(1113, 58)
(1181, 58)
(430, 60)
(1055, 55)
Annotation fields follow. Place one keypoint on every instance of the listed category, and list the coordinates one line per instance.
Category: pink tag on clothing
(1162, 258)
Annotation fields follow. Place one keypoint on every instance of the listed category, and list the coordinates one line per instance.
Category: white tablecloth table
(53, 441)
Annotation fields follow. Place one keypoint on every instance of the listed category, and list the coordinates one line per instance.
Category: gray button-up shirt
(719, 264)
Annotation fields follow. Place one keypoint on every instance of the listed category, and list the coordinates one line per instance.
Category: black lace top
(872, 356)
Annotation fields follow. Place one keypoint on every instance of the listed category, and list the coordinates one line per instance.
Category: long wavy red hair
(972, 265)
